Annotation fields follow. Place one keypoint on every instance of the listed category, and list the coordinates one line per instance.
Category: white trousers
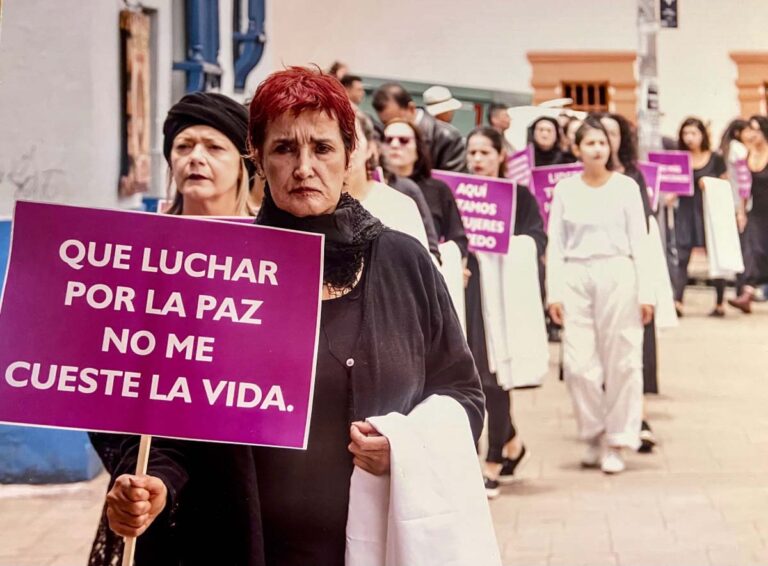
(603, 349)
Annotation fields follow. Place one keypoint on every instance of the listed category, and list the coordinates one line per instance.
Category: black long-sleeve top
(445, 213)
(528, 221)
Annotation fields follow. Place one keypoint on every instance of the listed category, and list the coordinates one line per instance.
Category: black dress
(650, 368)
(501, 429)
(689, 221)
(305, 494)
(410, 346)
(445, 213)
(757, 230)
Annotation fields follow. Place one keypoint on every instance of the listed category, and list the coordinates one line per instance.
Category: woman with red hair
(389, 339)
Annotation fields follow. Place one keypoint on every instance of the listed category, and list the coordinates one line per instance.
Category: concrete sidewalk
(700, 499)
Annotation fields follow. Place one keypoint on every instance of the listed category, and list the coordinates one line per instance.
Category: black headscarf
(209, 109)
(349, 232)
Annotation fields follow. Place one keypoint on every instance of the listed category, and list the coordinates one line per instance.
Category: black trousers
(500, 427)
(681, 276)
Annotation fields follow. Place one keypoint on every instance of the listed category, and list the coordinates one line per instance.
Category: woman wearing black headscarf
(389, 339)
(545, 135)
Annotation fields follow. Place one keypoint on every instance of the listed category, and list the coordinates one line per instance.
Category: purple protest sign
(161, 325)
(378, 175)
(651, 174)
(743, 178)
(676, 171)
(519, 166)
(487, 208)
(543, 181)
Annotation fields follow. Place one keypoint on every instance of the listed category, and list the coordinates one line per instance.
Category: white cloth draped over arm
(431, 510)
(452, 270)
(555, 250)
(665, 315)
(722, 235)
(637, 232)
(515, 330)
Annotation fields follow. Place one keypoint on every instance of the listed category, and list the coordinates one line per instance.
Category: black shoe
(647, 439)
(509, 466)
(717, 313)
(491, 488)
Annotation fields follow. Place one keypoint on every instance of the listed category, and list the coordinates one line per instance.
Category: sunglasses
(402, 140)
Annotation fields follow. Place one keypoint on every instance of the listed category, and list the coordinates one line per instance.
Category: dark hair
(366, 125)
(627, 151)
(732, 132)
(701, 127)
(335, 67)
(762, 121)
(592, 122)
(297, 89)
(422, 169)
(554, 122)
(347, 80)
(495, 107)
(497, 141)
(390, 91)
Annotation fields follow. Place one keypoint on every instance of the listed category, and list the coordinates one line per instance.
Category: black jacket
(445, 144)
(412, 347)
(410, 188)
(445, 213)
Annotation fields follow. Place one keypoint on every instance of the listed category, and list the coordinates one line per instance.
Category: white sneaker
(593, 455)
(613, 462)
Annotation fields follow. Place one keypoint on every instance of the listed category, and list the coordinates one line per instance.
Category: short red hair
(298, 89)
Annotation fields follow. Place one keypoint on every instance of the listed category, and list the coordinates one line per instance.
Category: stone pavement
(701, 499)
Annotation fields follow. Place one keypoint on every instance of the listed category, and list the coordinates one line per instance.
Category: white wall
(484, 44)
(696, 73)
(59, 105)
(480, 44)
(59, 73)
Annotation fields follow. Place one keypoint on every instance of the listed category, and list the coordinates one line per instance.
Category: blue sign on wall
(5, 246)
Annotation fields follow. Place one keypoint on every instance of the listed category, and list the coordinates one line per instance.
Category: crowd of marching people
(583, 274)
(584, 259)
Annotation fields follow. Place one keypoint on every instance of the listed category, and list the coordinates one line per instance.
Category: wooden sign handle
(129, 550)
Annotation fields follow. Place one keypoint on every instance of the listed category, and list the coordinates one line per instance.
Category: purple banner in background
(378, 175)
(676, 171)
(519, 166)
(651, 174)
(543, 181)
(487, 208)
(161, 325)
(743, 178)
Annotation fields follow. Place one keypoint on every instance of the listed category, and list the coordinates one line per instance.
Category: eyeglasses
(402, 140)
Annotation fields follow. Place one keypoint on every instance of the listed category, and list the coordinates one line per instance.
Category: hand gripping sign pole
(129, 551)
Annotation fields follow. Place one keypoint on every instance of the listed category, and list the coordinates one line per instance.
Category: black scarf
(349, 231)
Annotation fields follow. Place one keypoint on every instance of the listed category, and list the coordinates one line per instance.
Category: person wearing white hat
(445, 143)
(440, 103)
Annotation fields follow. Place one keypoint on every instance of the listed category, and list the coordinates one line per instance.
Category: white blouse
(396, 211)
(597, 222)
